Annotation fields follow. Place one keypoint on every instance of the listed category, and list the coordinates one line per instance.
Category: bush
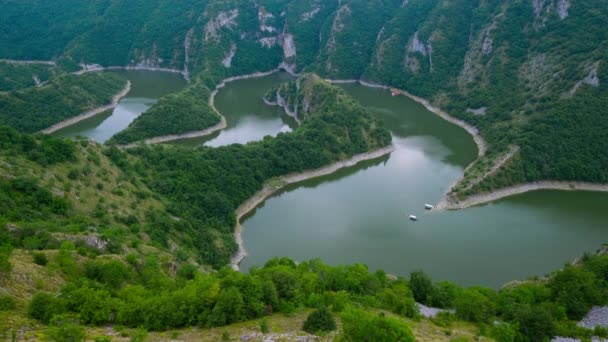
(44, 306)
(40, 259)
(319, 320)
(360, 326)
(139, 335)
(474, 305)
(503, 332)
(264, 326)
(577, 290)
(422, 286)
(7, 303)
(65, 328)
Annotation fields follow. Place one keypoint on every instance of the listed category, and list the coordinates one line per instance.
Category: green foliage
(264, 328)
(23, 198)
(476, 305)
(33, 109)
(421, 285)
(44, 306)
(320, 320)
(361, 326)
(18, 76)
(40, 259)
(111, 273)
(65, 328)
(5, 265)
(577, 291)
(7, 302)
(503, 332)
(42, 149)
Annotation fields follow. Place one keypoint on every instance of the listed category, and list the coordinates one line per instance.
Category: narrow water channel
(146, 88)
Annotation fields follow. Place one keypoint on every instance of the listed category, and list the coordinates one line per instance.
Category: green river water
(360, 214)
(146, 88)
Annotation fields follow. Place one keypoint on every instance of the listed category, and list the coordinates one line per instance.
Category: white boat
(428, 207)
(413, 218)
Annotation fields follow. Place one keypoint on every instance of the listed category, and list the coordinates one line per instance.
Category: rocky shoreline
(95, 68)
(89, 113)
(190, 135)
(275, 185)
(24, 62)
(482, 146)
(520, 189)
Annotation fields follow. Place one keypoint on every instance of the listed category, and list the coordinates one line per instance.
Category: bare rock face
(477, 111)
(289, 46)
(486, 46)
(430, 312)
(11, 227)
(227, 61)
(91, 240)
(598, 316)
(263, 17)
(336, 27)
(562, 8)
(591, 79)
(310, 14)
(257, 336)
(417, 46)
(225, 19)
(268, 42)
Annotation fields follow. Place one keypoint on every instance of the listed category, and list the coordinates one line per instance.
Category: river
(361, 214)
(146, 88)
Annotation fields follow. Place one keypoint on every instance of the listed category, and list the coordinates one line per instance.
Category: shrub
(264, 326)
(359, 325)
(422, 286)
(503, 332)
(139, 335)
(44, 306)
(7, 303)
(474, 305)
(577, 290)
(187, 271)
(40, 259)
(319, 320)
(65, 328)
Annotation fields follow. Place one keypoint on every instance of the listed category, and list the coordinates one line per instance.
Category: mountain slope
(502, 65)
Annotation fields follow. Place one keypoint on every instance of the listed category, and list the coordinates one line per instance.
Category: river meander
(146, 88)
(360, 214)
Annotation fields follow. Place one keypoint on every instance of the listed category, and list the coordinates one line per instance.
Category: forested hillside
(17, 76)
(36, 108)
(137, 239)
(502, 65)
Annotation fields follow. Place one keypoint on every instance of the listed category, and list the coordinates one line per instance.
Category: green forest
(182, 112)
(19, 76)
(139, 239)
(35, 108)
(518, 62)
